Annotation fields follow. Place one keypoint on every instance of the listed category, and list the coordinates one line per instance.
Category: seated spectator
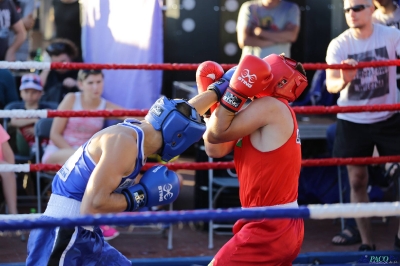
(8, 179)
(67, 134)
(58, 82)
(30, 91)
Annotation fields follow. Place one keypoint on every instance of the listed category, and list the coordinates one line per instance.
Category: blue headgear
(179, 132)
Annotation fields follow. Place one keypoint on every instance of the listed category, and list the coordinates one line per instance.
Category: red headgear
(287, 82)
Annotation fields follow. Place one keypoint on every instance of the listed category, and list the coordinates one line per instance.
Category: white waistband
(60, 206)
(286, 205)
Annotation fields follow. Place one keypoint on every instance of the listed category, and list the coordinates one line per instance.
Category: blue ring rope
(156, 217)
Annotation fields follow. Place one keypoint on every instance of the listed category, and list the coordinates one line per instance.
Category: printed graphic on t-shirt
(370, 82)
(5, 22)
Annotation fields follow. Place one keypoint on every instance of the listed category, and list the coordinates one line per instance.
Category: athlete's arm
(118, 156)
(203, 101)
(225, 126)
(219, 150)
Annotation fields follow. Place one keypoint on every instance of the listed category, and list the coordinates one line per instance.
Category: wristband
(129, 200)
(232, 101)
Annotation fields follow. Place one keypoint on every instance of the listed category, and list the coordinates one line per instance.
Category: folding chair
(42, 132)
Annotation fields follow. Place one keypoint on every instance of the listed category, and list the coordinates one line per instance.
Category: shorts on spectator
(358, 140)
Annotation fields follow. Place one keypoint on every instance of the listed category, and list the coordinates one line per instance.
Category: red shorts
(265, 242)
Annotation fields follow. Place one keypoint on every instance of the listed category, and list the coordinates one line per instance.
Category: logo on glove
(139, 198)
(157, 110)
(168, 194)
(250, 78)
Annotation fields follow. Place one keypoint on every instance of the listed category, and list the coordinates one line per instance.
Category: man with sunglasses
(358, 133)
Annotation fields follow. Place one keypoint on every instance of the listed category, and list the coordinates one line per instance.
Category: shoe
(109, 232)
(396, 243)
(365, 247)
(348, 238)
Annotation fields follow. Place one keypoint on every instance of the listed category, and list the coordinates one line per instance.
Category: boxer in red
(267, 155)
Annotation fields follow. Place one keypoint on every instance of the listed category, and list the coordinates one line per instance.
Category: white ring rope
(25, 65)
(31, 216)
(18, 168)
(326, 211)
(354, 210)
(21, 113)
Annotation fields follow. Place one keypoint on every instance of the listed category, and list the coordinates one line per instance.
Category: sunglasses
(57, 48)
(356, 8)
(37, 82)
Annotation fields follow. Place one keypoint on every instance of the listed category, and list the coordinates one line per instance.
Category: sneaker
(109, 232)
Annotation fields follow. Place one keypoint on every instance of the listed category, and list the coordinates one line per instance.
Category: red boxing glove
(207, 73)
(252, 76)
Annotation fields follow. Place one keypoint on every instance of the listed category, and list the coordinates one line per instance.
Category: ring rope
(214, 165)
(44, 113)
(327, 211)
(175, 66)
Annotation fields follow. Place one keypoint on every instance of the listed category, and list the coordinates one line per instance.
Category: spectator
(67, 22)
(388, 13)
(8, 90)
(267, 27)
(67, 134)
(10, 20)
(8, 179)
(364, 41)
(30, 90)
(25, 8)
(57, 83)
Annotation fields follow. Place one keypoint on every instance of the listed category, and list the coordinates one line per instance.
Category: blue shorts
(71, 246)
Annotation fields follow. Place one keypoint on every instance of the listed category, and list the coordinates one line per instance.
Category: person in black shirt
(58, 82)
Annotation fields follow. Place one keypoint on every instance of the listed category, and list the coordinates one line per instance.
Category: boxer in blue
(100, 178)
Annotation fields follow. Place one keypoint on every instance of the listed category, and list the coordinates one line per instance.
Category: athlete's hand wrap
(220, 86)
(252, 76)
(158, 186)
(207, 73)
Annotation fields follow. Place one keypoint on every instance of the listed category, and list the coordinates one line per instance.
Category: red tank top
(268, 178)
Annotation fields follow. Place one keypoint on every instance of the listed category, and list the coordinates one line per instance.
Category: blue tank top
(71, 180)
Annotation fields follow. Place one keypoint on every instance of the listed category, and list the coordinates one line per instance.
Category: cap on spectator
(31, 81)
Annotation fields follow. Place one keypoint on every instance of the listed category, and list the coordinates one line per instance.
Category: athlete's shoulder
(117, 136)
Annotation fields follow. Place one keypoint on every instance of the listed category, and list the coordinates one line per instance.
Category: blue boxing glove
(158, 186)
(222, 84)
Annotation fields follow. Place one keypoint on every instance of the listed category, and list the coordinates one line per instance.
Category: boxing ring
(326, 211)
